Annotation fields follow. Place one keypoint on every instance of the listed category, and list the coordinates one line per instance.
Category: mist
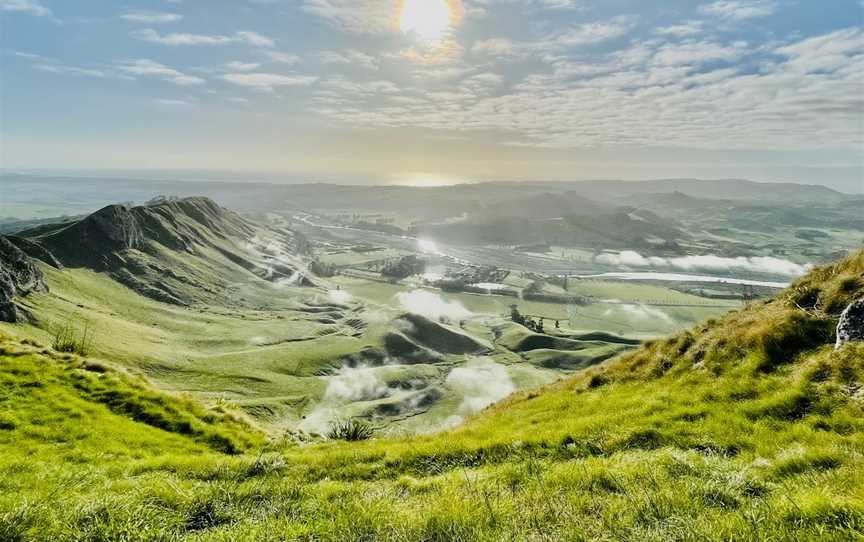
(432, 305)
(708, 262)
(481, 382)
(640, 312)
(349, 385)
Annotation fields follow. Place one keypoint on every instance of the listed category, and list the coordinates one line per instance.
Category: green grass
(216, 353)
(266, 361)
(611, 317)
(703, 436)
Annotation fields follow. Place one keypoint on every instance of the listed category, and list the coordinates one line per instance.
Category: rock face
(19, 276)
(851, 326)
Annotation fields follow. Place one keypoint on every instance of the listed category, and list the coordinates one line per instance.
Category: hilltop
(746, 427)
(178, 251)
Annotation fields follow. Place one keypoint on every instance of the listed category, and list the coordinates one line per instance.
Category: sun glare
(427, 21)
(426, 180)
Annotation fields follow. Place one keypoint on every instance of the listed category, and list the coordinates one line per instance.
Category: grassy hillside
(750, 427)
(237, 322)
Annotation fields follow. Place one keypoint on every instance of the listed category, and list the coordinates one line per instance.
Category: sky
(437, 91)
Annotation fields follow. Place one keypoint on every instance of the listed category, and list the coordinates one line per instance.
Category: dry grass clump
(68, 339)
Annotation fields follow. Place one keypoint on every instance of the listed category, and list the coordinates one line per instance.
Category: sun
(427, 21)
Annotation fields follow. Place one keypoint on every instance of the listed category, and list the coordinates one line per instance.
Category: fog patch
(432, 305)
(481, 383)
(293, 280)
(708, 262)
(340, 296)
(625, 258)
(428, 247)
(355, 384)
(349, 385)
(642, 312)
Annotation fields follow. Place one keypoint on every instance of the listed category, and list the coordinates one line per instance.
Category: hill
(178, 251)
(225, 308)
(750, 427)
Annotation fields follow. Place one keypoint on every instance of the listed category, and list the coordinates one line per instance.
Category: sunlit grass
(708, 435)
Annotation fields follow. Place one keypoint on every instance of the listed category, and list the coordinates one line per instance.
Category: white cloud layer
(185, 38)
(151, 17)
(709, 262)
(431, 305)
(682, 92)
(25, 6)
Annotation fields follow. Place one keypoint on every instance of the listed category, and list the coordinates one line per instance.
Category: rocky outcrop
(851, 326)
(35, 251)
(19, 276)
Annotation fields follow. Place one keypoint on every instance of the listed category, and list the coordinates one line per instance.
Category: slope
(182, 251)
(748, 428)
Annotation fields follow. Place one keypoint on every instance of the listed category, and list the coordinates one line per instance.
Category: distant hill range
(717, 215)
(83, 195)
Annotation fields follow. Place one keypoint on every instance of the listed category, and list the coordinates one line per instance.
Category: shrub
(350, 430)
(67, 339)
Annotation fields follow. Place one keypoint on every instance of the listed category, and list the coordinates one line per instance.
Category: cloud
(256, 39)
(72, 70)
(740, 10)
(499, 47)
(282, 58)
(595, 32)
(25, 6)
(829, 53)
(150, 68)
(350, 57)
(355, 384)
(579, 35)
(268, 82)
(708, 262)
(178, 39)
(355, 16)
(640, 312)
(151, 17)
(481, 382)
(340, 296)
(432, 305)
(349, 385)
(697, 53)
(242, 66)
(690, 28)
(626, 258)
(798, 95)
(173, 102)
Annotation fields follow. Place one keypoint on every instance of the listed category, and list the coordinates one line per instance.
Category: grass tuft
(68, 339)
(350, 430)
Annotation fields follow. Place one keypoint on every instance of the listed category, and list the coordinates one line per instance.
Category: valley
(220, 360)
(298, 321)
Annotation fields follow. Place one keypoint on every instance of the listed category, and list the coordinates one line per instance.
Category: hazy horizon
(851, 187)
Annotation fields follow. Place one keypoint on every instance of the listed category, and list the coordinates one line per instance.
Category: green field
(630, 318)
(275, 364)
